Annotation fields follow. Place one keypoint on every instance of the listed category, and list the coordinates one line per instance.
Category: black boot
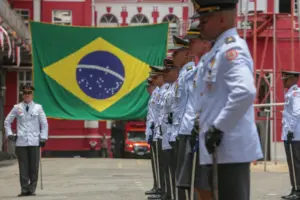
(287, 196)
(294, 196)
(166, 197)
(23, 194)
(160, 191)
(155, 197)
(152, 191)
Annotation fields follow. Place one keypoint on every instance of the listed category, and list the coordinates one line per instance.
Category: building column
(90, 11)
(155, 14)
(37, 10)
(8, 148)
(108, 134)
(93, 136)
(124, 15)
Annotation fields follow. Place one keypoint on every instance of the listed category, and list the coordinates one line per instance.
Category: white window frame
(18, 11)
(108, 23)
(139, 23)
(22, 81)
(62, 22)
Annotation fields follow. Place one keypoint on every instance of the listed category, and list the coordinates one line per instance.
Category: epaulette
(295, 88)
(229, 40)
(189, 68)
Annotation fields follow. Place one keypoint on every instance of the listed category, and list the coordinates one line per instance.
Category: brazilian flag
(87, 73)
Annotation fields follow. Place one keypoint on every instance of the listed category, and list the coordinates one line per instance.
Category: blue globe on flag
(100, 74)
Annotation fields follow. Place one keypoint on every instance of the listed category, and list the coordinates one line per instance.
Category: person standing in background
(149, 136)
(104, 145)
(113, 146)
(291, 130)
(32, 133)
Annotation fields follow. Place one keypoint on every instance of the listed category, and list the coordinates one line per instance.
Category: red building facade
(112, 13)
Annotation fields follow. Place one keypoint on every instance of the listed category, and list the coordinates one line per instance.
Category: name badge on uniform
(194, 81)
(209, 80)
(153, 99)
(212, 63)
(176, 88)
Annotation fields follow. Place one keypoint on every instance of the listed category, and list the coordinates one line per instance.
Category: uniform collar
(220, 40)
(185, 66)
(164, 86)
(294, 87)
(28, 104)
(202, 59)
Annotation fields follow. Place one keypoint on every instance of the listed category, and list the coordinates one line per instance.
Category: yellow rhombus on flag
(64, 72)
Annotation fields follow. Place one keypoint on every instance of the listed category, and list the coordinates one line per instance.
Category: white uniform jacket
(291, 113)
(228, 93)
(31, 126)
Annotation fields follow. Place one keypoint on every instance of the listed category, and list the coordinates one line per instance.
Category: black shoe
(156, 197)
(287, 196)
(152, 191)
(23, 194)
(160, 191)
(165, 197)
(293, 197)
(31, 194)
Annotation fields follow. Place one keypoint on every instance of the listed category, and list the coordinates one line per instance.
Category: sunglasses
(27, 92)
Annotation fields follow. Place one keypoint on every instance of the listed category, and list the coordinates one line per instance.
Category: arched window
(108, 20)
(174, 27)
(139, 19)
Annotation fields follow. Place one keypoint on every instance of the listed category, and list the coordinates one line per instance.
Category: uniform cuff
(217, 126)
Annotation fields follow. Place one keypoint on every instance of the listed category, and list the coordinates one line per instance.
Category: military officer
(149, 136)
(183, 60)
(170, 76)
(32, 133)
(291, 130)
(199, 47)
(227, 111)
(157, 80)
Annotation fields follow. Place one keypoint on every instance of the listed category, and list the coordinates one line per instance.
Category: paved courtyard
(114, 179)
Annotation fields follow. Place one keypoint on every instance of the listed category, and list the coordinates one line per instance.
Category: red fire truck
(130, 140)
(135, 143)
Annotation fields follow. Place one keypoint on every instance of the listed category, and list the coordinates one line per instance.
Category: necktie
(27, 108)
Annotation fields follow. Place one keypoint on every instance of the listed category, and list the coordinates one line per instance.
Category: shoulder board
(189, 68)
(295, 88)
(229, 40)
